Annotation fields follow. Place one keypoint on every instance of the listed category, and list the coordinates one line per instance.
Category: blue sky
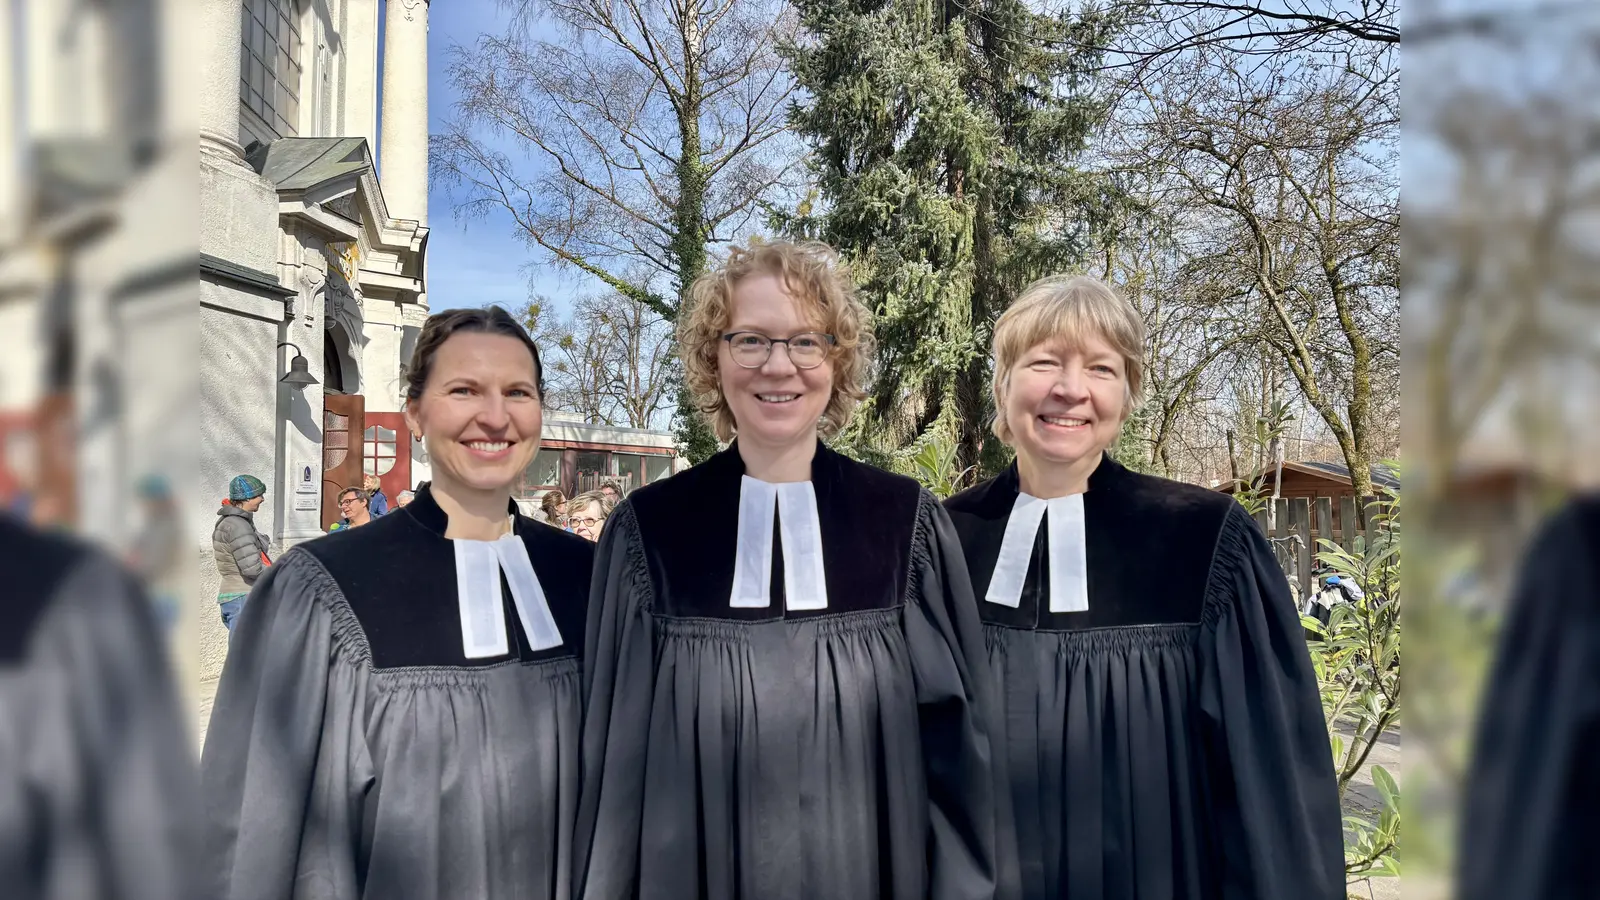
(473, 263)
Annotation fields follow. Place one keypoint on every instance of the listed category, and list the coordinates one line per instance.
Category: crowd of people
(781, 673)
(235, 537)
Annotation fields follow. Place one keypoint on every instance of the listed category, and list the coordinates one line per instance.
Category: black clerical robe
(97, 780)
(1168, 742)
(355, 751)
(775, 753)
(1532, 796)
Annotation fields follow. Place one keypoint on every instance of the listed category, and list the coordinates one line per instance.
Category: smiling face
(777, 404)
(1065, 402)
(352, 507)
(479, 412)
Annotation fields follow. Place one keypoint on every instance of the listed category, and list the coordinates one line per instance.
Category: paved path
(1362, 798)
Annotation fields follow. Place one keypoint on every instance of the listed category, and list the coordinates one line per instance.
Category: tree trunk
(688, 248)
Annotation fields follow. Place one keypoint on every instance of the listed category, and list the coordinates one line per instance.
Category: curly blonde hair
(812, 273)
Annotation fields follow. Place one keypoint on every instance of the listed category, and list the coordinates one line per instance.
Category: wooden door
(386, 452)
(343, 422)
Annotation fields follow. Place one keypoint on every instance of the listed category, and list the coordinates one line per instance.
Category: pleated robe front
(355, 752)
(781, 754)
(1167, 743)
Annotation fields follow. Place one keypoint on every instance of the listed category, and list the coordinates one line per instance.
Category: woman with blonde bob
(1162, 728)
(785, 696)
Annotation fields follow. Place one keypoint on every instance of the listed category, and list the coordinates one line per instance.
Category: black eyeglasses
(751, 349)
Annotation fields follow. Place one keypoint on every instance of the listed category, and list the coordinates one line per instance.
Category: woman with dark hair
(399, 714)
(553, 505)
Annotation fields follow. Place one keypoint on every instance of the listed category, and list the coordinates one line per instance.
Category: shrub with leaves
(1356, 656)
(932, 460)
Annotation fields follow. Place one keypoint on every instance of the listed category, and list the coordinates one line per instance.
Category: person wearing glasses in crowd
(787, 699)
(399, 715)
(612, 491)
(1162, 723)
(553, 506)
(353, 510)
(587, 514)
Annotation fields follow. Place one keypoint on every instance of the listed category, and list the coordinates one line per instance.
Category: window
(270, 68)
(656, 468)
(544, 472)
(379, 455)
(629, 469)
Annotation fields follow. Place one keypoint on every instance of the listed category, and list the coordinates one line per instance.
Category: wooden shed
(1316, 502)
(1311, 480)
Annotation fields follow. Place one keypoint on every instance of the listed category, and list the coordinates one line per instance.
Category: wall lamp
(299, 376)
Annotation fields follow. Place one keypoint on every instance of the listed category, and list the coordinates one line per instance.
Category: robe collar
(426, 510)
(1066, 547)
(805, 582)
(480, 568)
(690, 526)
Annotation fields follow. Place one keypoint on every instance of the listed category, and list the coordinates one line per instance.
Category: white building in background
(310, 263)
(96, 257)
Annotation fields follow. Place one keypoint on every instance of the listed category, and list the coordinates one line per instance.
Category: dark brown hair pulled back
(440, 326)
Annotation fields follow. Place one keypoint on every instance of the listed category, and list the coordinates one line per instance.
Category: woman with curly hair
(786, 700)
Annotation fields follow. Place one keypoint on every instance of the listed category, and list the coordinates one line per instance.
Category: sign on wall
(306, 482)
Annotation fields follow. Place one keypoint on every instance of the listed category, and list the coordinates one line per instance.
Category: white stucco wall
(380, 358)
(23, 361)
(238, 395)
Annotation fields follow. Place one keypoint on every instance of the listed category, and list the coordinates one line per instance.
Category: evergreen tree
(945, 139)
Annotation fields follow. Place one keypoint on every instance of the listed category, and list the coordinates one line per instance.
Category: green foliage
(1356, 657)
(944, 145)
(695, 437)
(1132, 446)
(1253, 496)
(932, 461)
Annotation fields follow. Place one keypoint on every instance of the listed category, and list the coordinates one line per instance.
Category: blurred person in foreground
(97, 784)
(1162, 725)
(398, 716)
(1531, 808)
(587, 514)
(157, 552)
(239, 550)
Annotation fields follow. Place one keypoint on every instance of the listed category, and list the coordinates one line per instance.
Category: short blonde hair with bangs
(1067, 308)
(811, 273)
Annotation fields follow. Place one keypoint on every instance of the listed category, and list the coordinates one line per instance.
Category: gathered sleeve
(265, 734)
(972, 845)
(618, 660)
(1270, 762)
(106, 750)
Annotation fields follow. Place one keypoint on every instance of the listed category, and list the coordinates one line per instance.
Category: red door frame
(398, 478)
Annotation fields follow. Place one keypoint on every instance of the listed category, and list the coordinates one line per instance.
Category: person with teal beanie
(239, 549)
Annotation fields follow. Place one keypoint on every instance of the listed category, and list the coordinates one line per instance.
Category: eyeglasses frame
(772, 341)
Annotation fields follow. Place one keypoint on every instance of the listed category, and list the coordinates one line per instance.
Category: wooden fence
(591, 481)
(1300, 523)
